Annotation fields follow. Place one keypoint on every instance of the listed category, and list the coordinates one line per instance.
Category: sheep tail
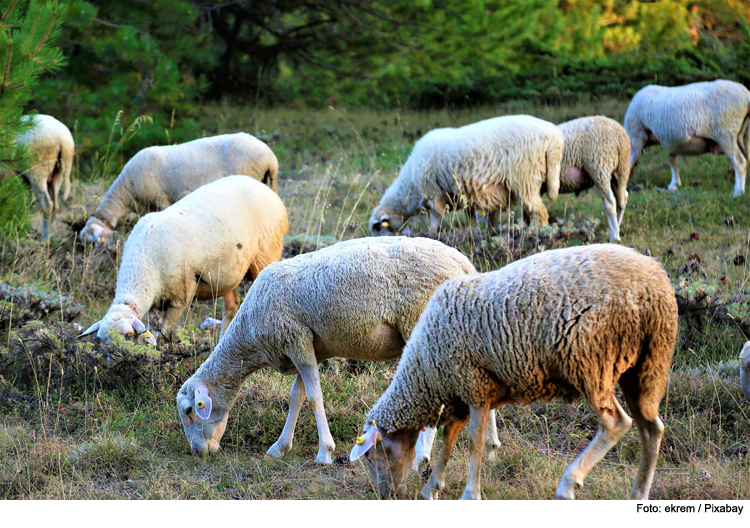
(622, 175)
(554, 162)
(745, 147)
(271, 177)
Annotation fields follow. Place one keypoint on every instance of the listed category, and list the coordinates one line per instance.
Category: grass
(72, 428)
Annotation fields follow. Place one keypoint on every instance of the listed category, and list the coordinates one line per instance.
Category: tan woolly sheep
(50, 148)
(156, 177)
(564, 323)
(691, 120)
(597, 153)
(202, 247)
(357, 299)
(487, 165)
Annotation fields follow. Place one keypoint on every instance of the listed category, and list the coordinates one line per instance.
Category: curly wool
(597, 153)
(51, 147)
(202, 247)
(157, 177)
(485, 165)
(562, 323)
(691, 120)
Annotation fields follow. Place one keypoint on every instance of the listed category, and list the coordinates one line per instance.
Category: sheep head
(389, 457)
(383, 223)
(123, 320)
(203, 419)
(96, 232)
(745, 370)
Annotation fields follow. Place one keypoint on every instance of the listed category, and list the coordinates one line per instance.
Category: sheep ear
(141, 329)
(203, 402)
(364, 443)
(91, 329)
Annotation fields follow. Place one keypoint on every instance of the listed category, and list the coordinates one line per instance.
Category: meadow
(74, 427)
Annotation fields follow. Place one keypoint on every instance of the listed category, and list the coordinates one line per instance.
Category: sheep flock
(571, 324)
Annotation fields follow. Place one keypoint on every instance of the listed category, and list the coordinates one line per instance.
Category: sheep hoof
(428, 493)
(421, 458)
(672, 187)
(277, 450)
(324, 458)
(470, 495)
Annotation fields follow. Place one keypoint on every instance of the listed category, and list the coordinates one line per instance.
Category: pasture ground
(70, 428)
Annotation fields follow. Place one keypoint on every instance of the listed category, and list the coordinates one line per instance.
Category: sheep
(202, 247)
(597, 153)
(564, 323)
(357, 299)
(50, 147)
(691, 120)
(486, 165)
(745, 370)
(157, 177)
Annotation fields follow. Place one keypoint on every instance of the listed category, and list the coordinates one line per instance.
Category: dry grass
(124, 441)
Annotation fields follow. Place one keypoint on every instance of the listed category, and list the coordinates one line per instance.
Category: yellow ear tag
(360, 440)
(147, 334)
(100, 240)
(384, 224)
(200, 404)
(480, 212)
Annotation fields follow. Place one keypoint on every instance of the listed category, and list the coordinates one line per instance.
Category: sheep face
(96, 232)
(383, 223)
(120, 319)
(745, 370)
(389, 457)
(202, 421)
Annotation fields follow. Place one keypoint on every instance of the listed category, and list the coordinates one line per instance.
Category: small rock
(723, 280)
(695, 256)
(729, 220)
(638, 187)
(705, 475)
(739, 260)
(77, 327)
(210, 324)
(646, 252)
(695, 235)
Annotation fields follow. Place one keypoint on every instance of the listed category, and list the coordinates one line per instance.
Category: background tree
(28, 31)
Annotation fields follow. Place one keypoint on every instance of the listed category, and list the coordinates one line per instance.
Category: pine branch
(44, 38)
(10, 9)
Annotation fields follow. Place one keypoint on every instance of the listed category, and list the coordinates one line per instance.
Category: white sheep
(487, 165)
(597, 153)
(357, 299)
(50, 148)
(745, 370)
(202, 247)
(564, 323)
(691, 120)
(156, 177)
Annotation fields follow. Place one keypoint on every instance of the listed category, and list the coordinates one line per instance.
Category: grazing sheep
(486, 165)
(357, 299)
(156, 177)
(745, 370)
(691, 120)
(597, 153)
(202, 247)
(51, 147)
(565, 323)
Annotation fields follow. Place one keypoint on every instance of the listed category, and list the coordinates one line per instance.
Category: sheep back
(214, 234)
(562, 323)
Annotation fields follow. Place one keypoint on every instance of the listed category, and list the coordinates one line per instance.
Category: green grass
(110, 437)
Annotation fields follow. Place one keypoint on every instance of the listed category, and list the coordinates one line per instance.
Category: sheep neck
(114, 205)
(226, 369)
(403, 197)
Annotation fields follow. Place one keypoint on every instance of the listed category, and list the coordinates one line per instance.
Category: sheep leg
(231, 305)
(477, 428)
(436, 483)
(739, 162)
(610, 209)
(296, 400)
(424, 447)
(613, 423)
(651, 431)
(491, 440)
(311, 378)
(171, 318)
(675, 173)
(533, 206)
(437, 210)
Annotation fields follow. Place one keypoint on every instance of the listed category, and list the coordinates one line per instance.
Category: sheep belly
(575, 180)
(384, 342)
